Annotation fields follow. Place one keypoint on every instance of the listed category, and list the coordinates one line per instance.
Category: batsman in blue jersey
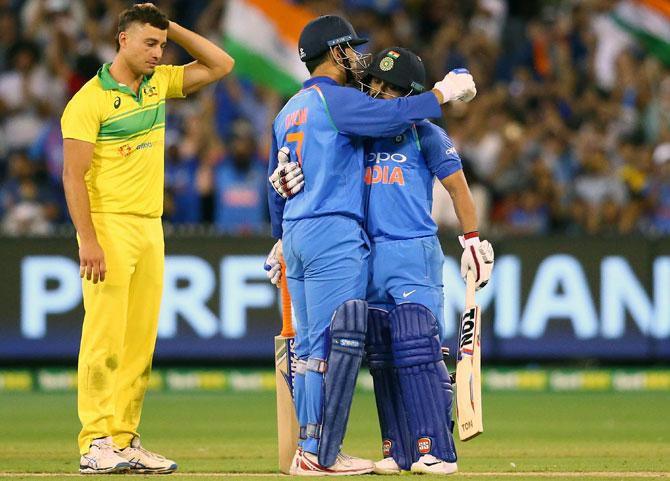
(405, 291)
(323, 242)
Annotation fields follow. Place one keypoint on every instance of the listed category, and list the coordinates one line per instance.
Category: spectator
(182, 199)
(27, 206)
(660, 217)
(529, 215)
(27, 95)
(559, 139)
(8, 37)
(240, 205)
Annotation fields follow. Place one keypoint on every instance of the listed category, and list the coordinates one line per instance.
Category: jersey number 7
(296, 137)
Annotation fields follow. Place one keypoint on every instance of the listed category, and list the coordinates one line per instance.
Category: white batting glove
(272, 266)
(457, 85)
(477, 257)
(287, 179)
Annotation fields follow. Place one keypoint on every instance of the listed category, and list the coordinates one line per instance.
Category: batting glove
(457, 85)
(287, 179)
(477, 257)
(272, 266)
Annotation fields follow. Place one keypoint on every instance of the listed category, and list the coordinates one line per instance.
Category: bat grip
(469, 289)
(287, 315)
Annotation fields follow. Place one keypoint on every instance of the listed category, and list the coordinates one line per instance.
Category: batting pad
(424, 380)
(347, 341)
(396, 438)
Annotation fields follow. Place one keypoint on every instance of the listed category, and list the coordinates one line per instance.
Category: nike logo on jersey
(407, 294)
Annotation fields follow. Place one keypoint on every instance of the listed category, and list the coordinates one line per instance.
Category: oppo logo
(377, 157)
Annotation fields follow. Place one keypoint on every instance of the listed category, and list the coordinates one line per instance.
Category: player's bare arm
(477, 254)
(211, 62)
(461, 197)
(77, 161)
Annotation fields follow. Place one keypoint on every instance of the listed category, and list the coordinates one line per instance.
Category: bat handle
(469, 289)
(287, 314)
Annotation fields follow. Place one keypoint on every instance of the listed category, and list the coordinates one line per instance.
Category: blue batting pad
(424, 380)
(346, 341)
(396, 438)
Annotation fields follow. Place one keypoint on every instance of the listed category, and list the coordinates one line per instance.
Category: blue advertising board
(549, 299)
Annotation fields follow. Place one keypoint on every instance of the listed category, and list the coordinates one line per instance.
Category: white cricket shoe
(429, 464)
(344, 466)
(143, 461)
(387, 466)
(102, 458)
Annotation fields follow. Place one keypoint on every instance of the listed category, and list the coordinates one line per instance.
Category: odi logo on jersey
(383, 171)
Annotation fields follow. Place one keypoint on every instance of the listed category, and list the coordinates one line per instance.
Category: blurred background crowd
(569, 133)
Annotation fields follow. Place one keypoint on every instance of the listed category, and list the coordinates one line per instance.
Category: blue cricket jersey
(399, 175)
(323, 126)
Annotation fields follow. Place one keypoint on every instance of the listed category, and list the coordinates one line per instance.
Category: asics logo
(450, 151)
(377, 157)
(407, 294)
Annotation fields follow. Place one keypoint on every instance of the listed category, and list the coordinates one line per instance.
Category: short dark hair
(315, 62)
(23, 46)
(141, 14)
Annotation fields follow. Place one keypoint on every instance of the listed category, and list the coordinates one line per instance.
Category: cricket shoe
(143, 461)
(295, 462)
(429, 464)
(344, 466)
(387, 466)
(102, 458)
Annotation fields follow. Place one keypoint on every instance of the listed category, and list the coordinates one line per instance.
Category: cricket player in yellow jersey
(113, 141)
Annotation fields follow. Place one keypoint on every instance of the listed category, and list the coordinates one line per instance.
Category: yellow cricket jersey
(128, 130)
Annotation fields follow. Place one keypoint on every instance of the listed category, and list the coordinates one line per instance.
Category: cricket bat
(287, 422)
(468, 367)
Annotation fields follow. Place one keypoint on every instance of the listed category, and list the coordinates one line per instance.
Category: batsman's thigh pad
(396, 438)
(346, 338)
(424, 380)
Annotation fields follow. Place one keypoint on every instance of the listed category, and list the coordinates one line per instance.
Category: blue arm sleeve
(356, 113)
(438, 150)
(275, 201)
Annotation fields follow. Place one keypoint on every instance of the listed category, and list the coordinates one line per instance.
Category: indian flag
(649, 22)
(262, 36)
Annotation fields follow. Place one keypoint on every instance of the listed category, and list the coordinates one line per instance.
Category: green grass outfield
(230, 435)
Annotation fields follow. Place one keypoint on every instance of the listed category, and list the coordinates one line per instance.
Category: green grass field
(527, 435)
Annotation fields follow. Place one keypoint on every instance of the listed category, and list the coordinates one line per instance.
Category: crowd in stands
(569, 132)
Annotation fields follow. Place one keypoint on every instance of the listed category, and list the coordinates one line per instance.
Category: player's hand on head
(287, 179)
(457, 85)
(477, 257)
(272, 266)
(92, 261)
